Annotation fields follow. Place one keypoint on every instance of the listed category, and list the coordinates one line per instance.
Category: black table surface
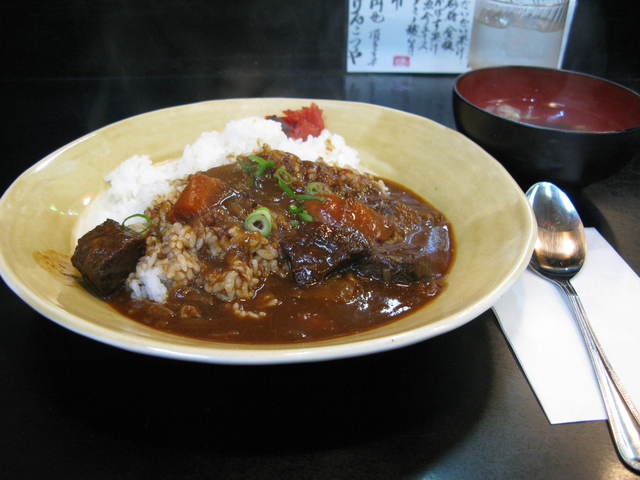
(455, 406)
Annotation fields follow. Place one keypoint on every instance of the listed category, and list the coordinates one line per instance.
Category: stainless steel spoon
(558, 256)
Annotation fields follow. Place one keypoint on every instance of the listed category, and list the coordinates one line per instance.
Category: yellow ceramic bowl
(492, 222)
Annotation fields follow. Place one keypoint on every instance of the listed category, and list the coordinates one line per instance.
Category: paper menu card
(408, 35)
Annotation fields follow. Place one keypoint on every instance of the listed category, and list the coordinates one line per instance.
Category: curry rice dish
(271, 249)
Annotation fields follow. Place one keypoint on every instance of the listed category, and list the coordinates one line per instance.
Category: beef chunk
(395, 263)
(423, 255)
(107, 255)
(317, 250)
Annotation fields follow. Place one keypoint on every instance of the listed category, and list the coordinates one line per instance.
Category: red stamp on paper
(401, 61)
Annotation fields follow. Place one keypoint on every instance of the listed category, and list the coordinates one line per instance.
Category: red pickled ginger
(301, 123)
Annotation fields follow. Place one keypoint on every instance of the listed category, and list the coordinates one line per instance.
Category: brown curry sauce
(343, 304)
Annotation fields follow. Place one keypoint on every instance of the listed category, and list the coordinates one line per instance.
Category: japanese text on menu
(409, 35)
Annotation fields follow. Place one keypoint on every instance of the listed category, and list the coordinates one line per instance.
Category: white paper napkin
(543, 334)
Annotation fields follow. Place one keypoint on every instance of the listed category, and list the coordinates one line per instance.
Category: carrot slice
(199, 194)
(350, 213)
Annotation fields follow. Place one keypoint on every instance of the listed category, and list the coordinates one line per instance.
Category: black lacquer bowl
(545, 124)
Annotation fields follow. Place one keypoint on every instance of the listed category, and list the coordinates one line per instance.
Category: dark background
(197, 50)
(109, 38)
(456, 406)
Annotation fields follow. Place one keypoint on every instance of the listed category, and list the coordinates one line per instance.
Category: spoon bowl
(561, 246)
(558, 255)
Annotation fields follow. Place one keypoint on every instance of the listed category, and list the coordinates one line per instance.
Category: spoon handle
(624, 421)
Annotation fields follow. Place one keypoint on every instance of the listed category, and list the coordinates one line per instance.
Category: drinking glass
(517, 32)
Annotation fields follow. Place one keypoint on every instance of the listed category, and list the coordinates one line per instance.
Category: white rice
(136, 181)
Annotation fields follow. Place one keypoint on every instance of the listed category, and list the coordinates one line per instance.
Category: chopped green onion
(286, 188)
(148, 221)
(261, 161)
(301, 196)
(304, 216)
(295, 223)
(317, 187)
(300, 212)
(282, 174)
(259, 166)
(246, 166)
(285, 179)
(259, 221)
(298, 196)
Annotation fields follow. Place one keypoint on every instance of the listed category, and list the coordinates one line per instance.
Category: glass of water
(517, 32)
